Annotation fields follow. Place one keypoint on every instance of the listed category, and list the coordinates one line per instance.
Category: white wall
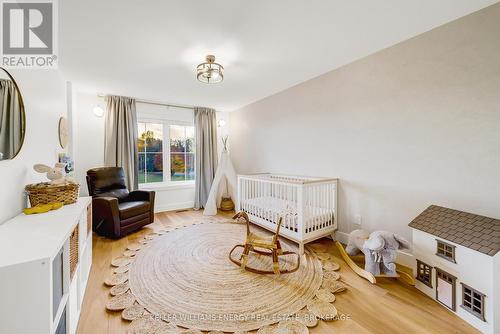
(89, 136)
(43, 92)
(412, 125)
(172, 197)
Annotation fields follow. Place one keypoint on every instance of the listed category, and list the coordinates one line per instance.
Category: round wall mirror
(12, 117)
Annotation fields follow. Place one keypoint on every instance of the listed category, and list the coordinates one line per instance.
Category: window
(446, 251)
(181, 153)
(424, 273)
(150, 149)
(473, 301)
(162, 144)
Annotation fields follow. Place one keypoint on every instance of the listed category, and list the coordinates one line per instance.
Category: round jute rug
(185, 277)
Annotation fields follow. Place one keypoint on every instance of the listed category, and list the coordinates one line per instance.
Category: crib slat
(259, 195)
(322, 206)
(318, 208)
(325, 204)
(328, 210)
(246, 194)
(310, 216)
(307, 220)
(252, 195)
(266, 196)
(289, 200)
(241, 194)
(280, 200)
(292, 210)
(315, 209)
(255, 195)
(329, 204)
(262, 208)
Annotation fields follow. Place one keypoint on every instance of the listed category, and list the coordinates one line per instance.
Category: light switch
(357, 220)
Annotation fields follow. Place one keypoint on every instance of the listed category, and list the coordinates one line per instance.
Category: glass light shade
(98, 111)
(210, 71)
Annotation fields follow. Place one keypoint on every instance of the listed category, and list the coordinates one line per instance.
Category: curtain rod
(102, 96)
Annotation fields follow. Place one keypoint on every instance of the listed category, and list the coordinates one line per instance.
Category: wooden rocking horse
(270, 244)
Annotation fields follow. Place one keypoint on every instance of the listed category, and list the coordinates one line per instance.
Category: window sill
(167, 185)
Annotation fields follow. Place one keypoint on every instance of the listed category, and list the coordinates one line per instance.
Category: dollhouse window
(424, 273)
(473, 301)
(445, 250)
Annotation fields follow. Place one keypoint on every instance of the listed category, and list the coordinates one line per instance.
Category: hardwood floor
(388, 307)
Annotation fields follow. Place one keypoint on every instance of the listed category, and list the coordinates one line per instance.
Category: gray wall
(413, 125)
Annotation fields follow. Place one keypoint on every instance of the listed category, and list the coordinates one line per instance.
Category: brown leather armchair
(117, 212)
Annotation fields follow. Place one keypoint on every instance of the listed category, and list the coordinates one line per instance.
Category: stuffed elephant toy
(380, 249)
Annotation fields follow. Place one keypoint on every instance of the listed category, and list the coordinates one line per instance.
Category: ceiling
(149, 49)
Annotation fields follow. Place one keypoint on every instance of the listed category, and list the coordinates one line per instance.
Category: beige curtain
(206, 153)
(120, 137)
(11, 120)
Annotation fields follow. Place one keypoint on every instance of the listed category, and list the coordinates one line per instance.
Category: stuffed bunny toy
(56, 175)
(380, 249)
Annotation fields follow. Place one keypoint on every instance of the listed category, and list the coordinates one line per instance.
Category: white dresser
(45, 262)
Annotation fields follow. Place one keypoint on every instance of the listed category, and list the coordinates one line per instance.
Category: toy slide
(368, 275)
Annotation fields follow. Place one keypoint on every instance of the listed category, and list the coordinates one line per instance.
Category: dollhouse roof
(476, 232)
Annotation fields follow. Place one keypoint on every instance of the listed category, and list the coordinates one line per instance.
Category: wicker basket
(43, 193)
(226, 204)
(89, 219)
(73, 251)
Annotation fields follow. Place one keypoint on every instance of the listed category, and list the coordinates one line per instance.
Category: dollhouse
(457, 263)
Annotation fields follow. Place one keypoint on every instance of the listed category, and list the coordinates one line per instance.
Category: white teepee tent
(224, 181)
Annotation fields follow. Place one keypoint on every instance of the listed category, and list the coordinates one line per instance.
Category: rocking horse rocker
(268, 246)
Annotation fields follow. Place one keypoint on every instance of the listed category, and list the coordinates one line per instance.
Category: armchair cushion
(141, 195)
(107, 182)
(134, 208)
(120, 194)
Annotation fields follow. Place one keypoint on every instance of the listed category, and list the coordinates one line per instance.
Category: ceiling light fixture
(210, 71)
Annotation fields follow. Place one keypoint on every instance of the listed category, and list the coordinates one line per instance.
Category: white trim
(341, 237)
(161, 120)
(174, 206)
(172, 185)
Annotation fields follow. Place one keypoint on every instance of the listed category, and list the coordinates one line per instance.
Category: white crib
(311, 202)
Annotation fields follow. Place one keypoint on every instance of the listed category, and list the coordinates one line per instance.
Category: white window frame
(167, 182)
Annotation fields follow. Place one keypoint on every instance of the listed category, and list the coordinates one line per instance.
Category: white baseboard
(174, 206)
(405, 258)
(342, 237)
